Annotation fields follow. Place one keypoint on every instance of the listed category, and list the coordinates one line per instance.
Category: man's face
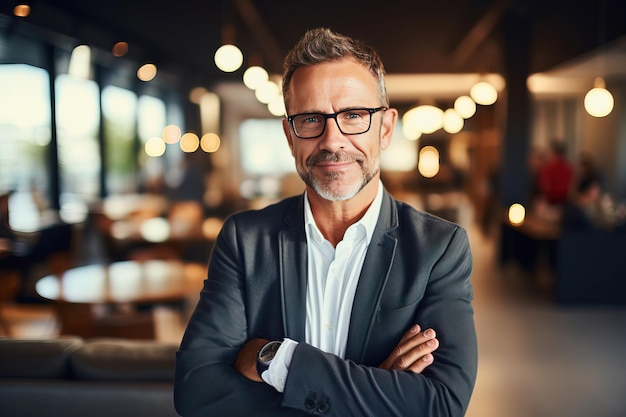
(337, 166)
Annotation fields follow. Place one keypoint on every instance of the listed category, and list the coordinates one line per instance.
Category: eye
(353, 115)
(311, 118)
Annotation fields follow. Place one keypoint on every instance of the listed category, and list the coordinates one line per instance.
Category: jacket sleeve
(206, 384)
(323, 384)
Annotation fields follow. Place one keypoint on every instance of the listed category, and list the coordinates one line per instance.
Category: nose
(332, 139)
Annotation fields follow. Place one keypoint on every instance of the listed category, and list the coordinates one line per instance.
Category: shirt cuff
(276, 373)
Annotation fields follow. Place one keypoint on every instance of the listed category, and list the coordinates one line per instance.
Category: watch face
(268, 351)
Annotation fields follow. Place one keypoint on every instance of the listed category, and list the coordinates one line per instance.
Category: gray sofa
(75, 377)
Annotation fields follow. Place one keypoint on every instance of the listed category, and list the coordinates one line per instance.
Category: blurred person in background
(341, 301)
(556, 175)
(589, 208)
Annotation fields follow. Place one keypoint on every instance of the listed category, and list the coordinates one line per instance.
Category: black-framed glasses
(350, 122)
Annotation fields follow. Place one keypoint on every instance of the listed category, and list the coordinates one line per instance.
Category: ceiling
(413, 37)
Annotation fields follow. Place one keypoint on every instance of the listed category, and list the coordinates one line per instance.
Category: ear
(390, 116)
(288, 134)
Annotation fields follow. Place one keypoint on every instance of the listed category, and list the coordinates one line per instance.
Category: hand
(413, 352)
(246, 359)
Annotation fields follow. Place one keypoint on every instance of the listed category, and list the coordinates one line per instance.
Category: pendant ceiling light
(599, 101)
(228, 57)
(484, 93)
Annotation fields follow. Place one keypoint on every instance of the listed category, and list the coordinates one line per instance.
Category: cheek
(300, 152)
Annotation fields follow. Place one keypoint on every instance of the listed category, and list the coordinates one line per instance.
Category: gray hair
(323, 45)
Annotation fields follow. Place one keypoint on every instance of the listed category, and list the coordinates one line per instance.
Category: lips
(330, 159)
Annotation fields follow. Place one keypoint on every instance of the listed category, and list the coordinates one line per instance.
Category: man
(316, 305)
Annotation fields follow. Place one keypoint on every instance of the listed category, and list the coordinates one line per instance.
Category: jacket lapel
(372, 281)
(293, 271)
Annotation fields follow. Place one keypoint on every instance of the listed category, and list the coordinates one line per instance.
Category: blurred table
(115, 299)
(530, 242)
(179, 230)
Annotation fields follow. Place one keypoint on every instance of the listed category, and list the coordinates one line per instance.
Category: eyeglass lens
(351, 122)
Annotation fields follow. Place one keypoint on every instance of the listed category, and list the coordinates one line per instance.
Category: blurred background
(130, 129)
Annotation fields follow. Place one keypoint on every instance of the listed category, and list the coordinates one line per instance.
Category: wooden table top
(124, 282)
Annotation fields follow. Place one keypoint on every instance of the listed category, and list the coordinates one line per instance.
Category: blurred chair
(9, 287)
(51, 253)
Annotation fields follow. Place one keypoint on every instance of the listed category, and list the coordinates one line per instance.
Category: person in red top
(556, 176)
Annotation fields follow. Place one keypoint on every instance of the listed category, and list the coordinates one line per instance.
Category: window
(24, 139)
(151, 119)
(264, 148)
(78, 122)
(119, 110)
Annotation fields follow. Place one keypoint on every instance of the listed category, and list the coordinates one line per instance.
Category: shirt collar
(368, 221)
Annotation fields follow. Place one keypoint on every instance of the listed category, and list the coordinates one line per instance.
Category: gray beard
(324, 187)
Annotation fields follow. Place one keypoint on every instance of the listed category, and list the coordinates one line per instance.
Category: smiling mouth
(334, 164)
(332, 160)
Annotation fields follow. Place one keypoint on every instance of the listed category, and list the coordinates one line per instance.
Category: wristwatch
(266, 354)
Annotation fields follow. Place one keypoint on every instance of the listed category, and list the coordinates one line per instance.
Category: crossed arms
(215, 372)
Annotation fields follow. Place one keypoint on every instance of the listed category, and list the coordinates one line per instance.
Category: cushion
(37, 358)
(125, 360)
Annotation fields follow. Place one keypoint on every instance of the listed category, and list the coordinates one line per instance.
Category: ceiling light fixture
(228, 57)
(599, 101)
(452, 121)
(484, 93)
(255, 76)
(465, 106)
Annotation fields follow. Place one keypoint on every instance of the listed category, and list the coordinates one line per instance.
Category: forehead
(342, 83)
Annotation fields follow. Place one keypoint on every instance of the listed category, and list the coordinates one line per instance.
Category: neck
(334, 217)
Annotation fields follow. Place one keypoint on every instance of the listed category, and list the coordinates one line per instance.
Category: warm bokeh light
(210, 142)
(147, 72)
(254, 77)
(424, 118)
(452, 121)
(228, 58)
(210, 112)
(277, 106)
(211, 226)
(156, 229)
(21, 10)
(267, 92)
(517, 213)
(154, 147)
(484, 93)
(410, 132)
(465, 106)
(599, 101)
(171, 134)
(195, 95)
(120, 49)
(189, 142)
(428, 163)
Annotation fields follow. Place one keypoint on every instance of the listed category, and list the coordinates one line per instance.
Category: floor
(535, 359)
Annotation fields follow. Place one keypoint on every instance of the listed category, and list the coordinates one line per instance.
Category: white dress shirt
(333, 274)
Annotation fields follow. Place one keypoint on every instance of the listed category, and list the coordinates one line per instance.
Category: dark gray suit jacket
(416, 270)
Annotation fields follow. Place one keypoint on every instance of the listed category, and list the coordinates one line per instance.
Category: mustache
(339, 156)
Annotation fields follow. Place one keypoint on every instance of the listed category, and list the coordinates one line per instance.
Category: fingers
(414, 351)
